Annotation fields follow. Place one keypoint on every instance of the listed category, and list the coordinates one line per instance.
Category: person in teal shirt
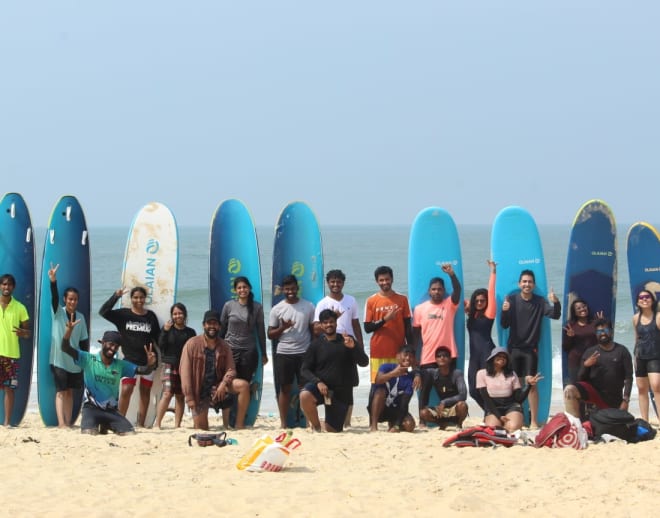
(102, 373)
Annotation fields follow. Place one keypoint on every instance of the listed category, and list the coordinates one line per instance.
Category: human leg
(241, 388)
(309, 401)
(179, 407)
(572, 400)
(376, 406)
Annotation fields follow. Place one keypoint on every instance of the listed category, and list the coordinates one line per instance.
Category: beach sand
(154, 472)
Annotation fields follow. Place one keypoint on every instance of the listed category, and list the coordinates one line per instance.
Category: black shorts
(65, 380)
(524, 361)
(288, 368)
(246, 363)
(335, 413)
(643, 367)
(504, 406)
(93, 416)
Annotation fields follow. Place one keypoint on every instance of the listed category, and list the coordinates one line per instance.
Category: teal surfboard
(516, 246)
(66, 245)
(297, 250)
(433, 241)
(151, 260)
(234, 252)
(591, 265)
(17, 258)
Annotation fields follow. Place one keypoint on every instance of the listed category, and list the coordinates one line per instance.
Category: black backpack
(621, 424)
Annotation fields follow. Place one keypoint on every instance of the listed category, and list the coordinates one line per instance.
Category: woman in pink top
(501, 392)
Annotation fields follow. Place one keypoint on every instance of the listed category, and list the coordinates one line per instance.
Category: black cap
(211, 315)
(111, 336)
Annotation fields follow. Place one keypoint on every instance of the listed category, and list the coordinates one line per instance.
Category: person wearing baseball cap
(102, 373)
(208, 376)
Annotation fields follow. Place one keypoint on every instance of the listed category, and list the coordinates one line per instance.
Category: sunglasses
(602, 331)
(442, 355)
(644, 297)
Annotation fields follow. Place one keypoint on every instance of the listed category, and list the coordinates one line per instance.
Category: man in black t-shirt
(605, 376)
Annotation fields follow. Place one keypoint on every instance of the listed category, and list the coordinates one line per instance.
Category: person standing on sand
(433, 326)
(605, 376)
(138, 327)
(67, 375)
(103, 374)
(523, 315)
(173, 337)
(290, 325)
(348, 321)
(646, 323)
(328, 368)
(481, 311)
(577, 336)
(14, 324)
(242, 327)
(386, 315)
(208, 376)
(390, 394)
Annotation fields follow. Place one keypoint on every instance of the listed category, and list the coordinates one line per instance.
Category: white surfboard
(151, 260)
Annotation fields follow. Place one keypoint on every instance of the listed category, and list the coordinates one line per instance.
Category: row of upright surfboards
(151, 260)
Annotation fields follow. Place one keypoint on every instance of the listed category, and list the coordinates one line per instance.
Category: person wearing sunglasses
(646, 324)
(450, 386)
(605, 376)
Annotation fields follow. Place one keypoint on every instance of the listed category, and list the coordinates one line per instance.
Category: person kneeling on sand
(500, 389)
(208, 376)
(390, 395)
(327, 368)
(605, 376)
(102, 373)
(450, 386)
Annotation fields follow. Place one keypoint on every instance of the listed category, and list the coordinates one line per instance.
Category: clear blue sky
(367, 110)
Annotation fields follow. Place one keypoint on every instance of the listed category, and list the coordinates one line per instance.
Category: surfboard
(434, 241)
(297, 250)
(66, 245)
(151, 260)
(234, 252)
(516, 246)
(591, 265)
(643, 251)
(17, 258)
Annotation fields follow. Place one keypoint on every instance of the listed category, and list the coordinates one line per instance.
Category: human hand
(52, 272)
(592, 360)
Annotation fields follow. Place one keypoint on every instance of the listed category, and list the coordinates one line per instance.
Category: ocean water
(357, 250)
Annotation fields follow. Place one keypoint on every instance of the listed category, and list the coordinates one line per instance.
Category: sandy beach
(154, 472)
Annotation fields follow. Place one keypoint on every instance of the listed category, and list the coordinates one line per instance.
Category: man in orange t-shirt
(386, 315)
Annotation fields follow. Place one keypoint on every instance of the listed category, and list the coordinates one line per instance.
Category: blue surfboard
(66, 244)
(234, 252)
(516, 246)
(643, 250)
(433, 241)
(297, 250)
(591, 265)
(17, 258)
